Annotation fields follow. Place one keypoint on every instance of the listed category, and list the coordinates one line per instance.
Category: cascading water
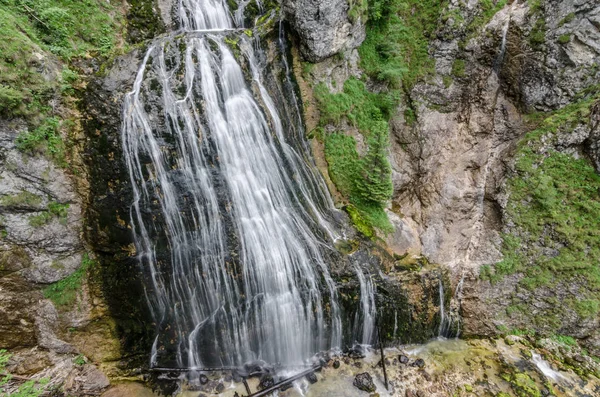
(364, 321)
(502, 52)
(230, 220)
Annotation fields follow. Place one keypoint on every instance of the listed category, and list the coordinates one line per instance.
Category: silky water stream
(232, 223)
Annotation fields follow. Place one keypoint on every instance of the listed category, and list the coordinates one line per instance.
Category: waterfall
(230, 219)
(443, 320)
(450, 320)
(364, 321)
(500, 57)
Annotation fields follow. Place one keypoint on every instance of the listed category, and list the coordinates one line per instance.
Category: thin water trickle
(500, 58)
(231, 221)
(364, 322)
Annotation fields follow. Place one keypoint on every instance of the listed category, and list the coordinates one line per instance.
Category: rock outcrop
(326, 27)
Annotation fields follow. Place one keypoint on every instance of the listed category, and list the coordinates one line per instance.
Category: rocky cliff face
(326, 28)
(498, 68)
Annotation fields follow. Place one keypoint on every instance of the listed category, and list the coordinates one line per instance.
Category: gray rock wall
(323, 27)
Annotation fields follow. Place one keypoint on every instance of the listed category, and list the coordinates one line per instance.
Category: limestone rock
(364, 382)
(86, 380)
(324, 27)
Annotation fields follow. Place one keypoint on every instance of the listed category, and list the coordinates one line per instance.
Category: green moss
(64, 292)
(567, 19)
(396, 49)
(365, 181)
(554, 204)
(564, 39)
(45, 139)
(524, 386)
(24, 198)
(458, 68)
(54, 211)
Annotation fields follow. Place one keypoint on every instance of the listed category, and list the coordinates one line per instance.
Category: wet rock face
(364, 382)
(323, 27)
(110, 198)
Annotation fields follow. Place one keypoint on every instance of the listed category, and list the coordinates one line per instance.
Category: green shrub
(537, 37)
(30, 388)
(564, 39)
(396, 49)
(23, 198)
(458, 68)
(54, 210)
(45, 139)
(64, 292)
(365, 182)
(10, 101)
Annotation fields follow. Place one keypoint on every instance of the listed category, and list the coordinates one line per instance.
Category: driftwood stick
(284, 382)
(385, 378)
(246, 386)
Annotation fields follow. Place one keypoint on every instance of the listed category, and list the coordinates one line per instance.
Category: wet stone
(357, 353)
(220, 388)
(312, 378)
(286, 386)
(426, 376)
(336, 364)
(419, 362)
(403, 359)
(364, 382)
(203, 379)
(266, 381)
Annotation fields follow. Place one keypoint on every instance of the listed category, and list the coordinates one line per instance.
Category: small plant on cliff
(396, 49)
(64, 292)
(30, 388)
(54, 210)
(45, 139)
(554, 204)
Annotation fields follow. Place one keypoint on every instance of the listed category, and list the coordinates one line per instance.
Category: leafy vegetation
(30, 388)
(395, 52)
(45, 139)
(458, 68)
(54, 210)
(64, 292)
(40, 35)
(398, 33)
(564, 39)
(555, 207)
(365, 181)
(23, 198)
